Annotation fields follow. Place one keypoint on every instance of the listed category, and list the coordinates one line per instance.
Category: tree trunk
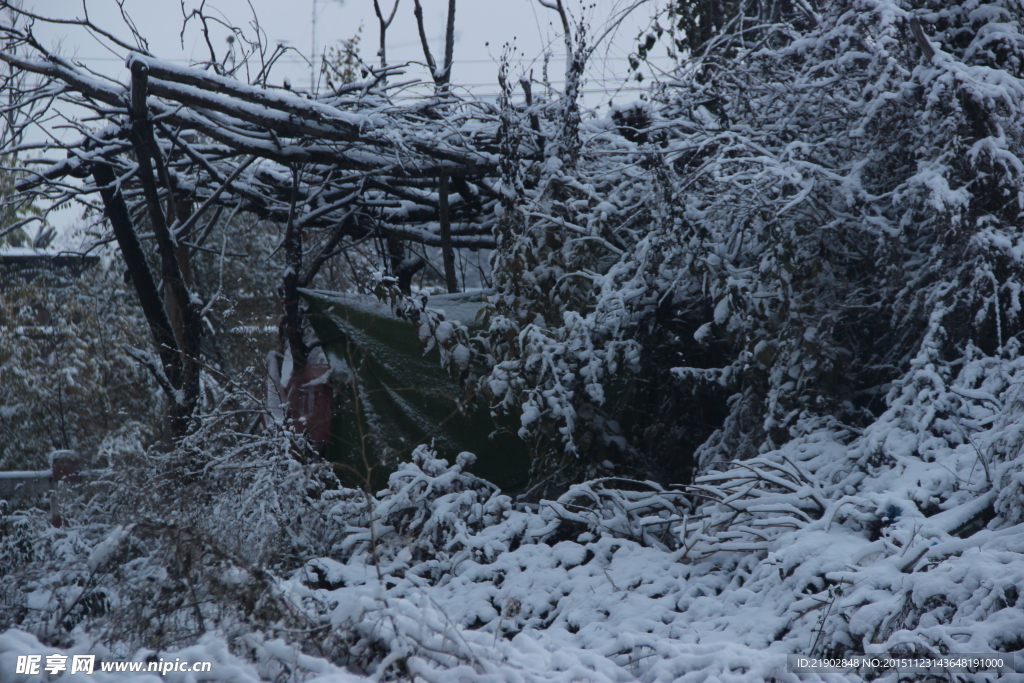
(446, 236)
(291, 332)
(183, 307)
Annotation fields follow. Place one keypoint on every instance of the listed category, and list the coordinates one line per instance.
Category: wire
(304, 62)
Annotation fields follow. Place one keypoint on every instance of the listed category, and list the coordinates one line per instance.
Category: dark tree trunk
(182, 308)
(447, 251)
(291, 332)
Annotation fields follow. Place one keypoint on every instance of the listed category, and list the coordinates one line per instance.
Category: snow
(59, 454)
(103, 552)
(822, 253)
(463, 307)
(26, 474)
(226, 667)
(662, 613)
(21, 251)
(285, 100)
(611, 602)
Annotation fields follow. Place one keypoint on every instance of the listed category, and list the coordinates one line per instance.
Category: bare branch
(384, 24)
(418, 12)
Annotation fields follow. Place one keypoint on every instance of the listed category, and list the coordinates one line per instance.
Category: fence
(32, 488)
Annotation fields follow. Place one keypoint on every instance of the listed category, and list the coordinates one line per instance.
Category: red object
(310, 398)
(65, 466)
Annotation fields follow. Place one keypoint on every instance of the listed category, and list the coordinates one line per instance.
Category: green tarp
(390, 397)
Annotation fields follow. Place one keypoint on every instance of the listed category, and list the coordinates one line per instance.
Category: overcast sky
(483, 27)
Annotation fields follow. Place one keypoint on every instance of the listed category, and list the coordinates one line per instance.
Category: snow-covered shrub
(835, 543)
(846, 189)
(166, 546)
(429, 513)
(641, 511)
(883, 541)
(766, 258)
(65, 381)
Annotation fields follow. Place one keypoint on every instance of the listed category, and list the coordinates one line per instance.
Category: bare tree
(176, 145)
(166, 151)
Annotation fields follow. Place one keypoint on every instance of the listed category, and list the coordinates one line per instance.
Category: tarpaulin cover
(399, 397)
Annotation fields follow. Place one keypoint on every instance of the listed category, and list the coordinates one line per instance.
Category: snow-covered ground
(905, 538)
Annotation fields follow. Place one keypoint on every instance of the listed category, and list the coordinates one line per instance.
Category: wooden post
(65, 469)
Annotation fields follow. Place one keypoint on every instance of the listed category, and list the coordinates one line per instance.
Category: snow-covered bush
(65, 381)
(890, 540)
(429, 511)
(166, 546)
(765, 257)
(886, 541)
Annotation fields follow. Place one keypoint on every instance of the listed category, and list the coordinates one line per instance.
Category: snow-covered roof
(21, 257)
(19, 252)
